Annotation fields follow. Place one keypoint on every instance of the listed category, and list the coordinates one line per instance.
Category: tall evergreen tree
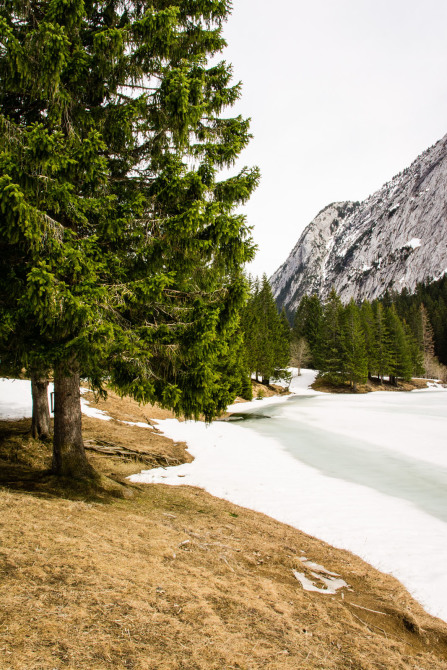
(400, 356)
(282, 344)
(308, 325)
(331, 353)
(382, 340)
(415, 351)
(250, 325)
(368, 327)
(120, 252)
(355, 363)
(273, 352)
(428, 344)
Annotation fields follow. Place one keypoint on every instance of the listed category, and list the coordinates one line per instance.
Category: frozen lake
(367, 473)
(392, 443)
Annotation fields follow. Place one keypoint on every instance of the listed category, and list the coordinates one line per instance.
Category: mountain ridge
(395, 238)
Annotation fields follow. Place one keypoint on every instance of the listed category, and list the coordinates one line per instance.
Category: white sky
(342, 94)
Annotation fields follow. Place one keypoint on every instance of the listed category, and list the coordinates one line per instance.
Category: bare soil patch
(176, 579)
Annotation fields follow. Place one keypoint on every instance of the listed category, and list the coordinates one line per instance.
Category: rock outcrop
(394, 239)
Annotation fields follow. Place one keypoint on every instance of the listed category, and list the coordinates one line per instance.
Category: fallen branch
(110, 449)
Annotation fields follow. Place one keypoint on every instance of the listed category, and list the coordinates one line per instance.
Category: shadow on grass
(25, 465)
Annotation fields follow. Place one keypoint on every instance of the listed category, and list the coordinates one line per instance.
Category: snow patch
(331, 584)
(317, 567)
(93, 412)
(440, 276)
(140, 424)
(414, 243)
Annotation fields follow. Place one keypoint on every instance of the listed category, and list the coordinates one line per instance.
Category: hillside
(393, 239)
(171, 577)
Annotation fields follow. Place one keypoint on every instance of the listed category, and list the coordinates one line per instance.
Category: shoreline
(267, 466)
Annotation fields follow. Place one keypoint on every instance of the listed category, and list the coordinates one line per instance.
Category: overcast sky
(343, 94)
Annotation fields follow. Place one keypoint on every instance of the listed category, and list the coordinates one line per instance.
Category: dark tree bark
(41, 426)
(69, 459)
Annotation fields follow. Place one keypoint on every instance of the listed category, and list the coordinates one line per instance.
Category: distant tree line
(397, 337)
(352, 343)
(433, 296)
(356, 342)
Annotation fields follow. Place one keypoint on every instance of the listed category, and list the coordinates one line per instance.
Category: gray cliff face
(394, 239)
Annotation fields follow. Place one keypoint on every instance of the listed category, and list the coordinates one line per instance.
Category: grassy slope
(174, 578)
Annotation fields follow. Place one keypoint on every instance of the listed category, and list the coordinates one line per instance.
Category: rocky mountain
(395, 238)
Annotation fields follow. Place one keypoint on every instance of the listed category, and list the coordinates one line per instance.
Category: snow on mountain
(395, 238)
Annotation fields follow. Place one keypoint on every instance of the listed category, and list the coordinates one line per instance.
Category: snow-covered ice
(367, 473)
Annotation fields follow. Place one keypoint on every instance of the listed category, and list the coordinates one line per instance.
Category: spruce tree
(382, 341)
(415, 352)
(120, 252)
(368, 327)
(400, 356)
(355, 359)
(308, 325)
(331, 354)
(250, 324)
(427, 337)
(269, 331)
(282, 346)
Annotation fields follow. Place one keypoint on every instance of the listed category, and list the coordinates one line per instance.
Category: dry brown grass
(176, 579)
(151, 448)
(326, 386)
(267, 391)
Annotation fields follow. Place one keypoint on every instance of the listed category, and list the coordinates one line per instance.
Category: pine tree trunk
(69, 459)
(266, 380)
(41, 427)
